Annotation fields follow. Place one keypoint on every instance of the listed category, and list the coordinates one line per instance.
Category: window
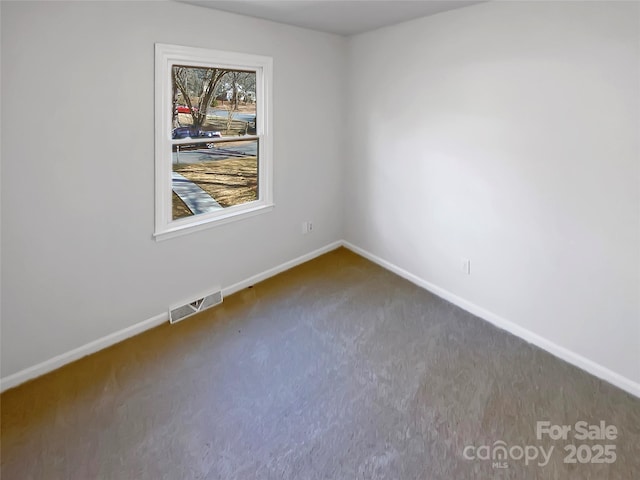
(213, 138)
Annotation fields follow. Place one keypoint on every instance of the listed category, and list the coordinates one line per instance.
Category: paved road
(220, 152)
(245, 117)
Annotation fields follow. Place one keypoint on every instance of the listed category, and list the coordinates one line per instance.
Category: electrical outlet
(307, 227)
(465, 266)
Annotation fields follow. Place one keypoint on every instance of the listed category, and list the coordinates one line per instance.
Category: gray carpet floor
(336, 369)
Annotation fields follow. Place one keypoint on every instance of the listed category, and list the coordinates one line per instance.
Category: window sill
(197, 225)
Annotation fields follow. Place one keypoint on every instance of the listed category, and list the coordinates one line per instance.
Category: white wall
(507, 133)
(515, 145)
(78, 258)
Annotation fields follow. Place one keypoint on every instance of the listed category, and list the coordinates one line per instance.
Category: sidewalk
(196, 199)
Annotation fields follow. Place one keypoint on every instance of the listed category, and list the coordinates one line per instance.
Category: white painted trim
(77, 353)
(166, 56)
(225, 217)
(58, 361)
(280, 268)
(559, 351)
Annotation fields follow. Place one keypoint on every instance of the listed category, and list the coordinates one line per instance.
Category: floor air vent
(191, 308)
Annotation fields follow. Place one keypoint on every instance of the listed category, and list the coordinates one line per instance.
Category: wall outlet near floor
(307, 227)
(465, 266)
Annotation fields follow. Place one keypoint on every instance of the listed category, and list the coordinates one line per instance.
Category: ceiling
(346, 17)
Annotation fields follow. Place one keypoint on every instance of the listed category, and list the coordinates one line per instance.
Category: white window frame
(166, 56)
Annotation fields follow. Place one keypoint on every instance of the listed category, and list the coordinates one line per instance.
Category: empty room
(320, 240)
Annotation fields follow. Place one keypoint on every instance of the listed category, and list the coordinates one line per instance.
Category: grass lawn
(237, 127)
(230, 182)
(180, 210)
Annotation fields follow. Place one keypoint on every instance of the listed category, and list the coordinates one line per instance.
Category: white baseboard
(280, 268)
(559, 351)
(563, 353)
(58, 361)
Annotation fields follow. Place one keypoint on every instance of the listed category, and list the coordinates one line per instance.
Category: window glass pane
(213, 100)
(210, 104)
(213, 176)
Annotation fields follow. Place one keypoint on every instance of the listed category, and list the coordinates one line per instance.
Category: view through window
(215, 154)
(213, 140)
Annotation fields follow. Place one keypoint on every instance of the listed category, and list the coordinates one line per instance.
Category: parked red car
(185, 109)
